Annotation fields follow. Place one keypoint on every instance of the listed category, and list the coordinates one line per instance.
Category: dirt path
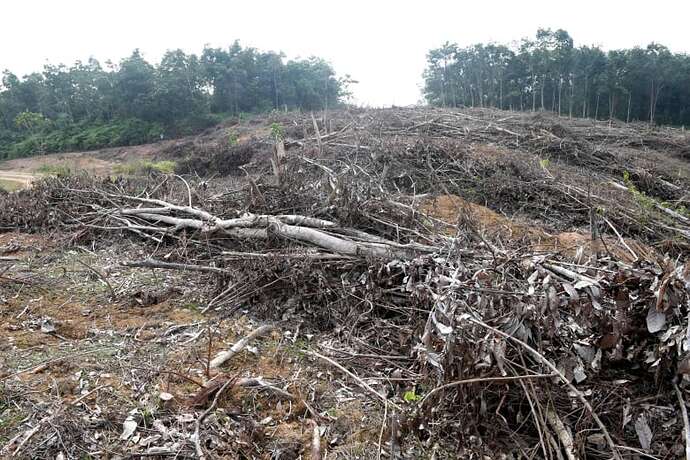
(13, 180)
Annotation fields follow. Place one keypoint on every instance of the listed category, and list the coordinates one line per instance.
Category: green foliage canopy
(89, 106)
(550, 73)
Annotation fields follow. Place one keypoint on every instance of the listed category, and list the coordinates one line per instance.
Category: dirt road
(13, 180)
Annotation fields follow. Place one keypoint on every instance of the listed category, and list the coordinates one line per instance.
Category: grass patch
(145, 167)
(59, 170)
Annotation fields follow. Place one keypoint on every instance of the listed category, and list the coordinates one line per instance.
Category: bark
(543, 80)
(584, 101)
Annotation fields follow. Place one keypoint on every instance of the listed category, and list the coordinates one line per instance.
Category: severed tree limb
(210, 223)
(316, 442)
(224, 356)
(301, 228)
(284, 255)
(173, 207)
(152, 263)
(564, 434)
(570, 274)
(686, 422)
(318, 134)
(258, 382)
(340, 245)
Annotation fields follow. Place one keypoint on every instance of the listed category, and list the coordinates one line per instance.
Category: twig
(251, 382)
(197, 428)
(480, 380)
(563, 433)
(189, 190)
(224, 356)
(152, 263)
(686, 423)
(620, 238)
(359, 381)
(45, 364)
(383, 428)
(100, 275)
(45, 420)
(559, 374)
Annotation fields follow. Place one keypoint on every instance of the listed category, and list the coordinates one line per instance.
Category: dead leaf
(656, 320)
(128, 428)
(644, 433)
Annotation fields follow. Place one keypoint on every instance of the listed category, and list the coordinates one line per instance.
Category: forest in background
(549, 73)
(89, 105)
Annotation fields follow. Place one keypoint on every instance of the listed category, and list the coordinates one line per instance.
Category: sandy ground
(14, 176)
(20, 172)
(13, 180)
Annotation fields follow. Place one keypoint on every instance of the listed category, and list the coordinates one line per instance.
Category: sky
(382, 44)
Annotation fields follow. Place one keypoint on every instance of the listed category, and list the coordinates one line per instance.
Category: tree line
(549, 73)
(89, 105)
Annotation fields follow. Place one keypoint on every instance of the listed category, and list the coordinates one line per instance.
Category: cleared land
(12, 180)
(401, 283)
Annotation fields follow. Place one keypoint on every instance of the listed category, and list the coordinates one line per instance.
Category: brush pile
(518, 345)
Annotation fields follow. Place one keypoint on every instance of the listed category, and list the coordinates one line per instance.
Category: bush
(80, 136)
(58, 170)
(193, 124)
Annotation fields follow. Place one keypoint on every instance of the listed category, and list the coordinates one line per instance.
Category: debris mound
(500, 283)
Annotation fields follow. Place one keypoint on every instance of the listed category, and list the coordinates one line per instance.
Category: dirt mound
(452, 210)
(218, 159)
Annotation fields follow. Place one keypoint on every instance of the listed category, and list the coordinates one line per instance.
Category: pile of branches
(531, 354)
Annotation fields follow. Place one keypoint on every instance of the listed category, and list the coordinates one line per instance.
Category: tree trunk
(627, 120)
(651, 104)
(596, 110)
(542, 91)
(560, 90)
(570, 101)
(584, 101)
(656, 100)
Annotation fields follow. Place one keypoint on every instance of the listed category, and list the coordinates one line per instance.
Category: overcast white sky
(380, 43)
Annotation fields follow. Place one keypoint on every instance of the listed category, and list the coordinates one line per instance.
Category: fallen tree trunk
(169, 218)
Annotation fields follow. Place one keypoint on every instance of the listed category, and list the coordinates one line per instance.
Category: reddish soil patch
(452, 209)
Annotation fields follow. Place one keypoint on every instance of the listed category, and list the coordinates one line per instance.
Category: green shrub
(233, 139)
(65, 137)
(277, 131)
(58, 170)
